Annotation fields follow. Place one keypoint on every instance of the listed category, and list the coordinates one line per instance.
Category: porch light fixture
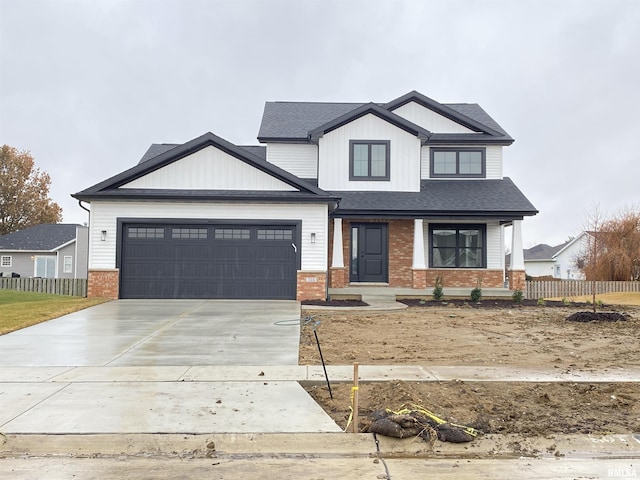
(103, 235)
(313, 237)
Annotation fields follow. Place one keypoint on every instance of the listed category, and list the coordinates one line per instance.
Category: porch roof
(494, 198)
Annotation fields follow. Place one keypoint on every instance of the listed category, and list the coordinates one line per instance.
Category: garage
(236, 261)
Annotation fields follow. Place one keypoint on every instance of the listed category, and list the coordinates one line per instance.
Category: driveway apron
(123, 367)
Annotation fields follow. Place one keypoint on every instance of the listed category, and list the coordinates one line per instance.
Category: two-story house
(386, 194)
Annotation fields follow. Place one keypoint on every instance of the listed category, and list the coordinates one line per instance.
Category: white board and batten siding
(494, 242)
(209, 169)
(297, 158)
(493, 157)
(430, 120)
(104, 216)
(333, 173)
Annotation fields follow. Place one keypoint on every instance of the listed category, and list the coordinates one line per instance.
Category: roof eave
(123, 195)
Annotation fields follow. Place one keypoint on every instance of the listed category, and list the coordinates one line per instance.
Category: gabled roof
(373, 109)
(156, 149)
(544, 252)
(444, 110)
(45, 237)
(295, 121)
(110, 187)
(292, 121)
(541, 252)
(493, 198)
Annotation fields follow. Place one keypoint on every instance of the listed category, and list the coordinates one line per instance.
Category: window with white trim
(6, 261)
(68, 264)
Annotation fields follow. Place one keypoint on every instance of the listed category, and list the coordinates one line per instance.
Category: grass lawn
(23, 309)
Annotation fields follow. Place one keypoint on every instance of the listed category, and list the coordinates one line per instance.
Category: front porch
(360, 292)
(409, 267)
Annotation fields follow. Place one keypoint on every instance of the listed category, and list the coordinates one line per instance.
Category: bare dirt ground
(534, 336)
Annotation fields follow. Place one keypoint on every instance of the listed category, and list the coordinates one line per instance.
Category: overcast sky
(87, 86)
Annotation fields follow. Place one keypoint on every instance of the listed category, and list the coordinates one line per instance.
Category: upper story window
(458, 162)
(369, 159)
(6, 261)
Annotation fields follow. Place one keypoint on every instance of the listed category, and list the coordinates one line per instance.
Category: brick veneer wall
(401, 275)
(312, 286)
(517, 279)
(400, 253)
(103, 283)
(466, 277)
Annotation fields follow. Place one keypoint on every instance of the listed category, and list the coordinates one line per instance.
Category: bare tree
(612, 249)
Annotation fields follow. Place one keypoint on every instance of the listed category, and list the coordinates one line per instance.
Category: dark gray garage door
(208, 261)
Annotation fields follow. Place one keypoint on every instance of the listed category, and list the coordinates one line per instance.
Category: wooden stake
(355, 398)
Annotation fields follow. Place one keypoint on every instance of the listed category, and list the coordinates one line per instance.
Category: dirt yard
(536, 336)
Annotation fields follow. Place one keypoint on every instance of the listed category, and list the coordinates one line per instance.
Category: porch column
(517, 276)
(517, 252)
(337, 259)
(418, 266)
(418, 246)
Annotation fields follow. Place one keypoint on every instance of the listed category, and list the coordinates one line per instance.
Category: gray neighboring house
(57, 250)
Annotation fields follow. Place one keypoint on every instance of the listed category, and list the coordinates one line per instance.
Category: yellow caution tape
(418, 408)
(351, 398)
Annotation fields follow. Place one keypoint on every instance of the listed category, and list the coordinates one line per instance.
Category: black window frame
(457, 227)
(457, 150)
(369, 143)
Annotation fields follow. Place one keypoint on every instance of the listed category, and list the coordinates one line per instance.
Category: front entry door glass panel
(369, 253)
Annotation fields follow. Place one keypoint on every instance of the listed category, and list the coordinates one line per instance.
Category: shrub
(541, 302)
(437, 291)
(476, 294)
(517, 296)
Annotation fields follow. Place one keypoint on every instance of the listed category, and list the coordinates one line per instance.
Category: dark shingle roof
(156, 149)
(293, 121)
(257, 150)
(497, 198)
(45, 237)
(543, 251)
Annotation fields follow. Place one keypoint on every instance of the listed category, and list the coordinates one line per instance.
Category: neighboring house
(340, 194)
(557, 262)
(56, 250)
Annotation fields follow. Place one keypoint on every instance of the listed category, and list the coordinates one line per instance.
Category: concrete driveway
(143, 366)
(161, 332)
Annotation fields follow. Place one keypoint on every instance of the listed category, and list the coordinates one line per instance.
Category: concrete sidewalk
(220, 399)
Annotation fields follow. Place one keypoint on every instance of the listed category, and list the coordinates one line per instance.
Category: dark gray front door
(369, 252)
(208, 261)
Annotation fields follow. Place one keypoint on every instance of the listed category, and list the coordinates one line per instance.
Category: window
(369, 160)
(45, 267)
(68, 264)
(232, 234)
(146, 232)
(5, 261)
(274, 234)
(189, 233)
(457, 246)
(458, 162)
